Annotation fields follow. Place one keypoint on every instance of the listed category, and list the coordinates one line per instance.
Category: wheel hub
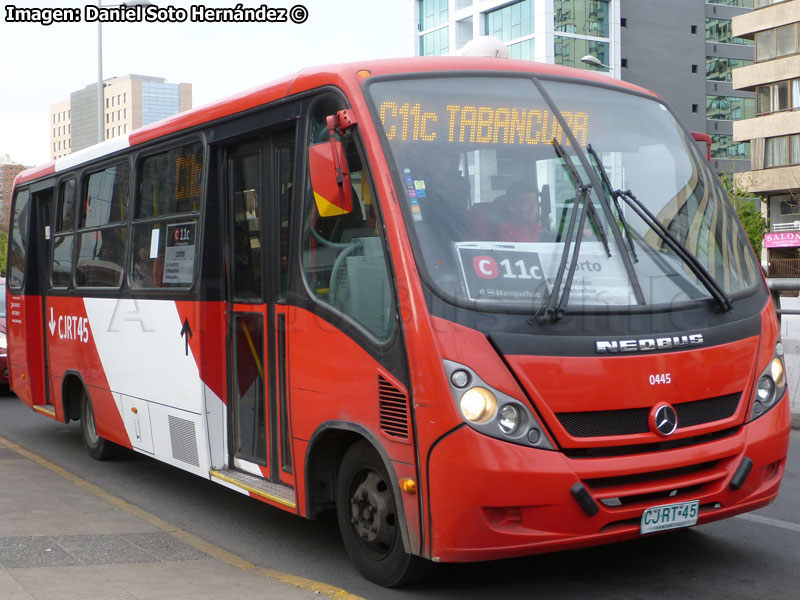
(372, 512)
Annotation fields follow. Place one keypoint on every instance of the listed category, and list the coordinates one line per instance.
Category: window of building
(522, 50)
(432, 13)
(720, 31)
(739, 3)
(582, 17)
(787, 204)
(720, 68)
(694, 29)
(723, 146)
(768, 2)
(782, 151)
(435, 43)
(568, 51)
(511, 22)
(783, 95)
(773, 43)
(726, 108)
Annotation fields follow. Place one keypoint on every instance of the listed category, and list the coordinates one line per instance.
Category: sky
(42, 64)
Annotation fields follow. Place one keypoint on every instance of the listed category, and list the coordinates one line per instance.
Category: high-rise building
(774, 132)
(682, 49)
(8, 171)
(685, 51)
(131, 102)
(554, 31)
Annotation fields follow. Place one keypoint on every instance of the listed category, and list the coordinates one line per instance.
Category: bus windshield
(492, 173)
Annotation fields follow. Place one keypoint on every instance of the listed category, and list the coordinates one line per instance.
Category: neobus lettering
(479, 124)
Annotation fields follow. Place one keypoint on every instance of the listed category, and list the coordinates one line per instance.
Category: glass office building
(554, 31)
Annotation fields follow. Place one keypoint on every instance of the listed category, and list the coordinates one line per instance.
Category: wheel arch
(326, 448)
(71, 387)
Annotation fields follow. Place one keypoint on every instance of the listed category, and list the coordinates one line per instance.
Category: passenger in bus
(521, 222)
(143, 269)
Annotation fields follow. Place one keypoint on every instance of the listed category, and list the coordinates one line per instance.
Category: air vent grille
(184, 441)
(393, 409)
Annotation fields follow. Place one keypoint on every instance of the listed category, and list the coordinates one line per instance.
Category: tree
(3, 252)
(748, 208)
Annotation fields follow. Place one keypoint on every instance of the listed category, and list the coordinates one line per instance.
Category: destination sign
(466, 123)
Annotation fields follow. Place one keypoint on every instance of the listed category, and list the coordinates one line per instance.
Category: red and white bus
(484, 308)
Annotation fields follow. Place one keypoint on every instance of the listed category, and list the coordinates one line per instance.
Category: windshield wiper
(691, 261)
(615, 195)
(598, 226)
(555, 303)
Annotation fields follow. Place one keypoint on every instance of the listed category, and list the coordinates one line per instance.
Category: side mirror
(330, 178)
(327, 164)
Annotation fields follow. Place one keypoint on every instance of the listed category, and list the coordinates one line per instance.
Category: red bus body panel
(477, 497)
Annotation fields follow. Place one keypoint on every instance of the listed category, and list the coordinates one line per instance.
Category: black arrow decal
(186, 330)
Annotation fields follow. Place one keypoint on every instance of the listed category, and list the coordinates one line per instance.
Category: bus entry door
(257, 431)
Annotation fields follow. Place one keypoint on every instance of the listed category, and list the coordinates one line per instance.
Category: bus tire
(369, 522)
(98, 448)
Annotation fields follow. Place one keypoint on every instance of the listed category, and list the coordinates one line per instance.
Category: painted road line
(788, 525)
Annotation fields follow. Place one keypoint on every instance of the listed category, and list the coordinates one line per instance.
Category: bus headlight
(508, 419)
(771, 385)
(492, 412)
(478, 405)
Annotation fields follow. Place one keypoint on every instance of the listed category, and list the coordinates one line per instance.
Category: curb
(215, 552)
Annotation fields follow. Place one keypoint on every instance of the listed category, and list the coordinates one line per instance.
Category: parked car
(3, 339)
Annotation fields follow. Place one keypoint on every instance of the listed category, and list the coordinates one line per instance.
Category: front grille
(611, 451)
(605, 423)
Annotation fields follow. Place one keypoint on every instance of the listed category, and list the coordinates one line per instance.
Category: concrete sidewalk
(790, 335)
(63, 537)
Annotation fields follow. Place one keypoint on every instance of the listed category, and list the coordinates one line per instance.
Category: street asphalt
(63, 537)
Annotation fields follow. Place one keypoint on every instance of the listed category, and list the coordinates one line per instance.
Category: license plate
(670, 516)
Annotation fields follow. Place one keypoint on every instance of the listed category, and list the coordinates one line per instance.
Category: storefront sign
(785, 239)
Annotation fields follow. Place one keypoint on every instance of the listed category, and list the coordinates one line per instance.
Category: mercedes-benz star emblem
(665, 420)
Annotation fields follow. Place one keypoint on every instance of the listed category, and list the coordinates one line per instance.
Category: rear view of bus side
(482, 308)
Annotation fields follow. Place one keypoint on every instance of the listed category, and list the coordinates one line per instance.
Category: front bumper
(490, 499)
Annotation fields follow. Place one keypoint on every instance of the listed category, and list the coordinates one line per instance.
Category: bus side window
(166, 218)
(344, 262)
(101, 240)
(18, 240)
(64, 236)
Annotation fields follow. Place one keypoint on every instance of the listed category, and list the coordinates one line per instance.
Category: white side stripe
(92, 152)
(143, 353)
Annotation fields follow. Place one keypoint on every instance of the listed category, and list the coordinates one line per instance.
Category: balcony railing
(784, 267)
(792, 226)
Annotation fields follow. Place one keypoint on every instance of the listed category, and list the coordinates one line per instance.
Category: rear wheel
(370, 523)
(98, 448)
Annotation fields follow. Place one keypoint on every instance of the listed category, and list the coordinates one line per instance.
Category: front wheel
(370, 523)
(98, 448)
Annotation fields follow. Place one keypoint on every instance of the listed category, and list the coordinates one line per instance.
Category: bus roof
(306, 79)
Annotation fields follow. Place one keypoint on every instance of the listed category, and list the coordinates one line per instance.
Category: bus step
(46, 409)
(276, 492)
